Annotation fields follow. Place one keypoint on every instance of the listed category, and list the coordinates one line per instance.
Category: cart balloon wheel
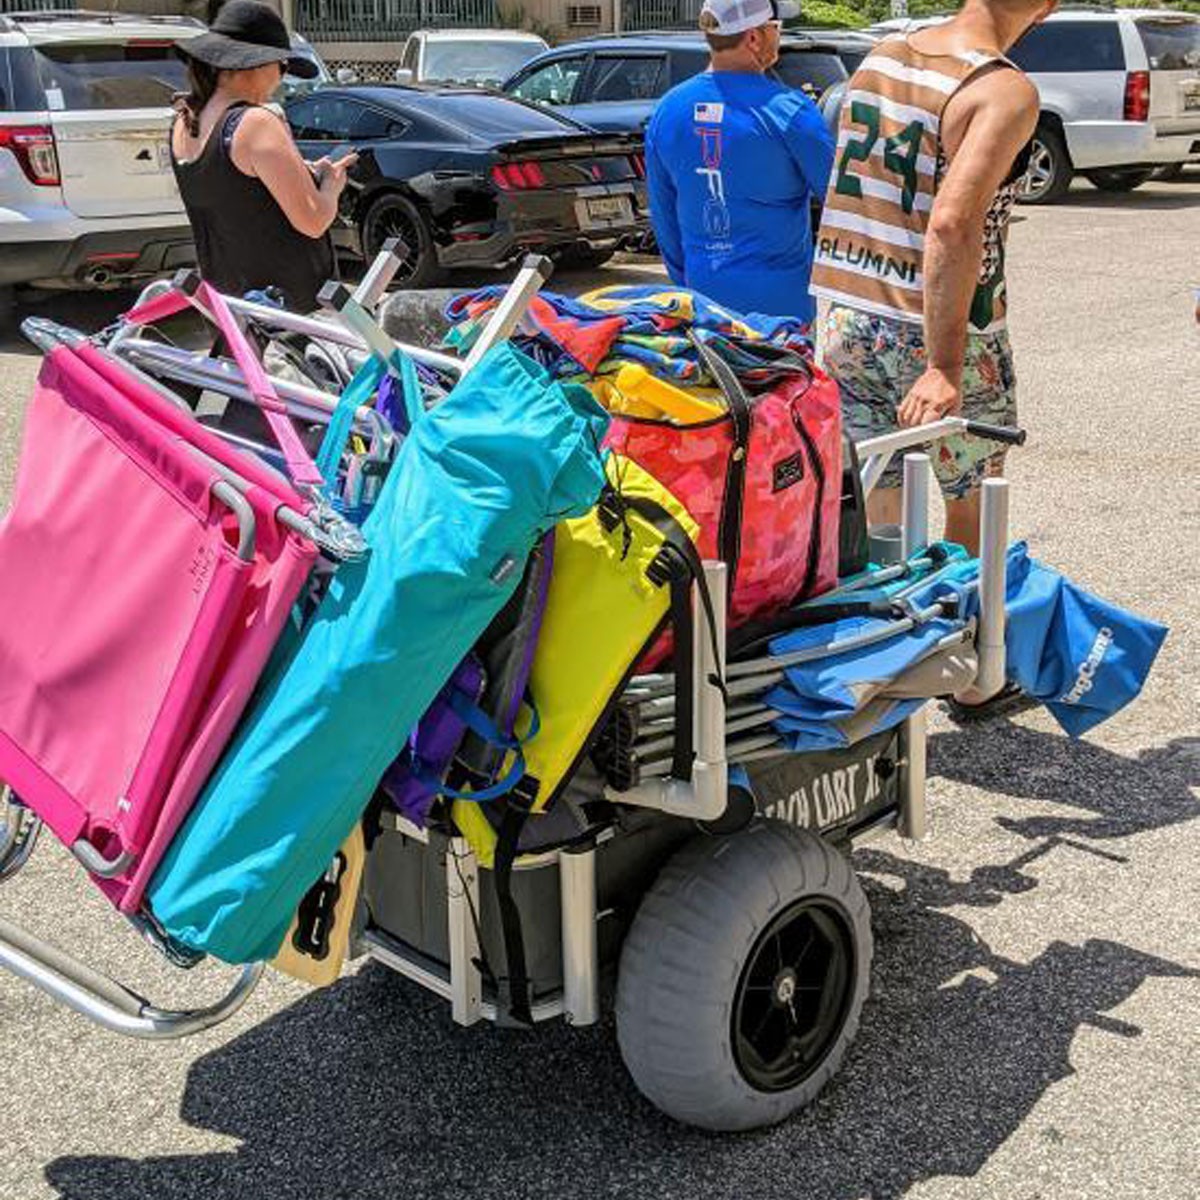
(743, 977)
(19, 829)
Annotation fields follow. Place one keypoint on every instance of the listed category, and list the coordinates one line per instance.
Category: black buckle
(667, 566)
(524, 793)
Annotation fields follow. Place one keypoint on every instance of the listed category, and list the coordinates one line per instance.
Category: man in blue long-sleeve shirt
(733, 161)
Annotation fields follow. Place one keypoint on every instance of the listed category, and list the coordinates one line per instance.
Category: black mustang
(470, 178)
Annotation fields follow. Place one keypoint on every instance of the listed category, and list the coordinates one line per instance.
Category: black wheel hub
(393, 221)
(794, 994)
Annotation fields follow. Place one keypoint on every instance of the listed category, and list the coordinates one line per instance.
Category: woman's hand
(331, 172)
(263, 148)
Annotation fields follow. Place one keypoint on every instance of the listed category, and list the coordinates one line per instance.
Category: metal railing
(16, 6)
(379, 20)
(659, 14)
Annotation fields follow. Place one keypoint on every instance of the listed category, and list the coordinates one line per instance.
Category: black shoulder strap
(513, 1003)
(678, 565)
(729, 533)
(813, 563)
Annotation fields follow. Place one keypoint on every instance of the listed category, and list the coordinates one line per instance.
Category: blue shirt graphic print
(733, 161)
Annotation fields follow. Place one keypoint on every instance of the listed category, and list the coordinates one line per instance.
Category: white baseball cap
(727, 17)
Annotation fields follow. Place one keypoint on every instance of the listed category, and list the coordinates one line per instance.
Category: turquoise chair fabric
(479, 479)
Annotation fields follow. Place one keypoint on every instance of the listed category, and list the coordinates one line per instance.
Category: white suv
(1120, 92)
(87, 195)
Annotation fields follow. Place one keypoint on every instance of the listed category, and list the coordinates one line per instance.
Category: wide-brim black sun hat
(245, 35)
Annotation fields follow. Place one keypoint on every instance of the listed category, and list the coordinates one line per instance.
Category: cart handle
(875, 453)
(997, 433)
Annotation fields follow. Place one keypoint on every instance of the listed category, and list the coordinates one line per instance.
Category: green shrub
(853, 14)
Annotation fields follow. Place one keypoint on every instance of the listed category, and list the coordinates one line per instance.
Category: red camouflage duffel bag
(763, 481)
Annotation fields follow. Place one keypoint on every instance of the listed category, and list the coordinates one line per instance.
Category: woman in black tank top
(260, 214)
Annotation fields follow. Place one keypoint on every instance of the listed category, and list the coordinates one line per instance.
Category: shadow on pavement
(85, 311)
(92, 311)
(366, 1090)
(1125, 795)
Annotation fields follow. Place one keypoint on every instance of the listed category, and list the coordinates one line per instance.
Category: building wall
(556, 20)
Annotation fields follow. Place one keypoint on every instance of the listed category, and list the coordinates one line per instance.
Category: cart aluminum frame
(705, 798)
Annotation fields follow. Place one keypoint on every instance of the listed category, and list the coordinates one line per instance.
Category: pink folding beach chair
(147, 570)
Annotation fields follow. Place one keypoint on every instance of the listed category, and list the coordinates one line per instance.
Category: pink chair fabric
(131, 632)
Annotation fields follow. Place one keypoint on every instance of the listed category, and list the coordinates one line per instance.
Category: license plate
(601, 211)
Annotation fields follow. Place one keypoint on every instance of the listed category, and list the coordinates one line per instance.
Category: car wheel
(584, 258)
(1116, 179)
(743, 977)
(1048, 176)
(395, 216)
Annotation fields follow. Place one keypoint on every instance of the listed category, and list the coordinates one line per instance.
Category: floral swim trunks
(875, 361)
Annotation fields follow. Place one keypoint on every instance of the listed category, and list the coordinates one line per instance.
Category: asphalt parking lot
(1032, 1031)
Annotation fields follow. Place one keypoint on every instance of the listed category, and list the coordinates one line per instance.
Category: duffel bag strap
(513, 1005)
(733, 503)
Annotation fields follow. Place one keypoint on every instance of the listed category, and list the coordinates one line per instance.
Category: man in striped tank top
(932, 139)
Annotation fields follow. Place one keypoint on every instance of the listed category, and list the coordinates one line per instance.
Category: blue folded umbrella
(1084, 658)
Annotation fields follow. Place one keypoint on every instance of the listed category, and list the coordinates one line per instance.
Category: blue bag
(1084, 658)
(477, 481)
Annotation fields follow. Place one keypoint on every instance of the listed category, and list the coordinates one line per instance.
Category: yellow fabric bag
(608, 599)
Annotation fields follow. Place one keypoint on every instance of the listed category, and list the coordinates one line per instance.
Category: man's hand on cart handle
(933, 396)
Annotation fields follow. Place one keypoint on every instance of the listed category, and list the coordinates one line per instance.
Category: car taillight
(1137, 96)
(639, 165)
(518, 176)
(33, 147)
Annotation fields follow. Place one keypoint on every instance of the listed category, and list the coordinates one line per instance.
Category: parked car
(472, 56)
(293, 86)
(613, 83)
(469, 178)
(1120, 92)
(87, 196)
(850, 45)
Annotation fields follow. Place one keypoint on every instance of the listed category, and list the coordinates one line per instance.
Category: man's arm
(664, 211)
(990, 118)
(811, 145)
